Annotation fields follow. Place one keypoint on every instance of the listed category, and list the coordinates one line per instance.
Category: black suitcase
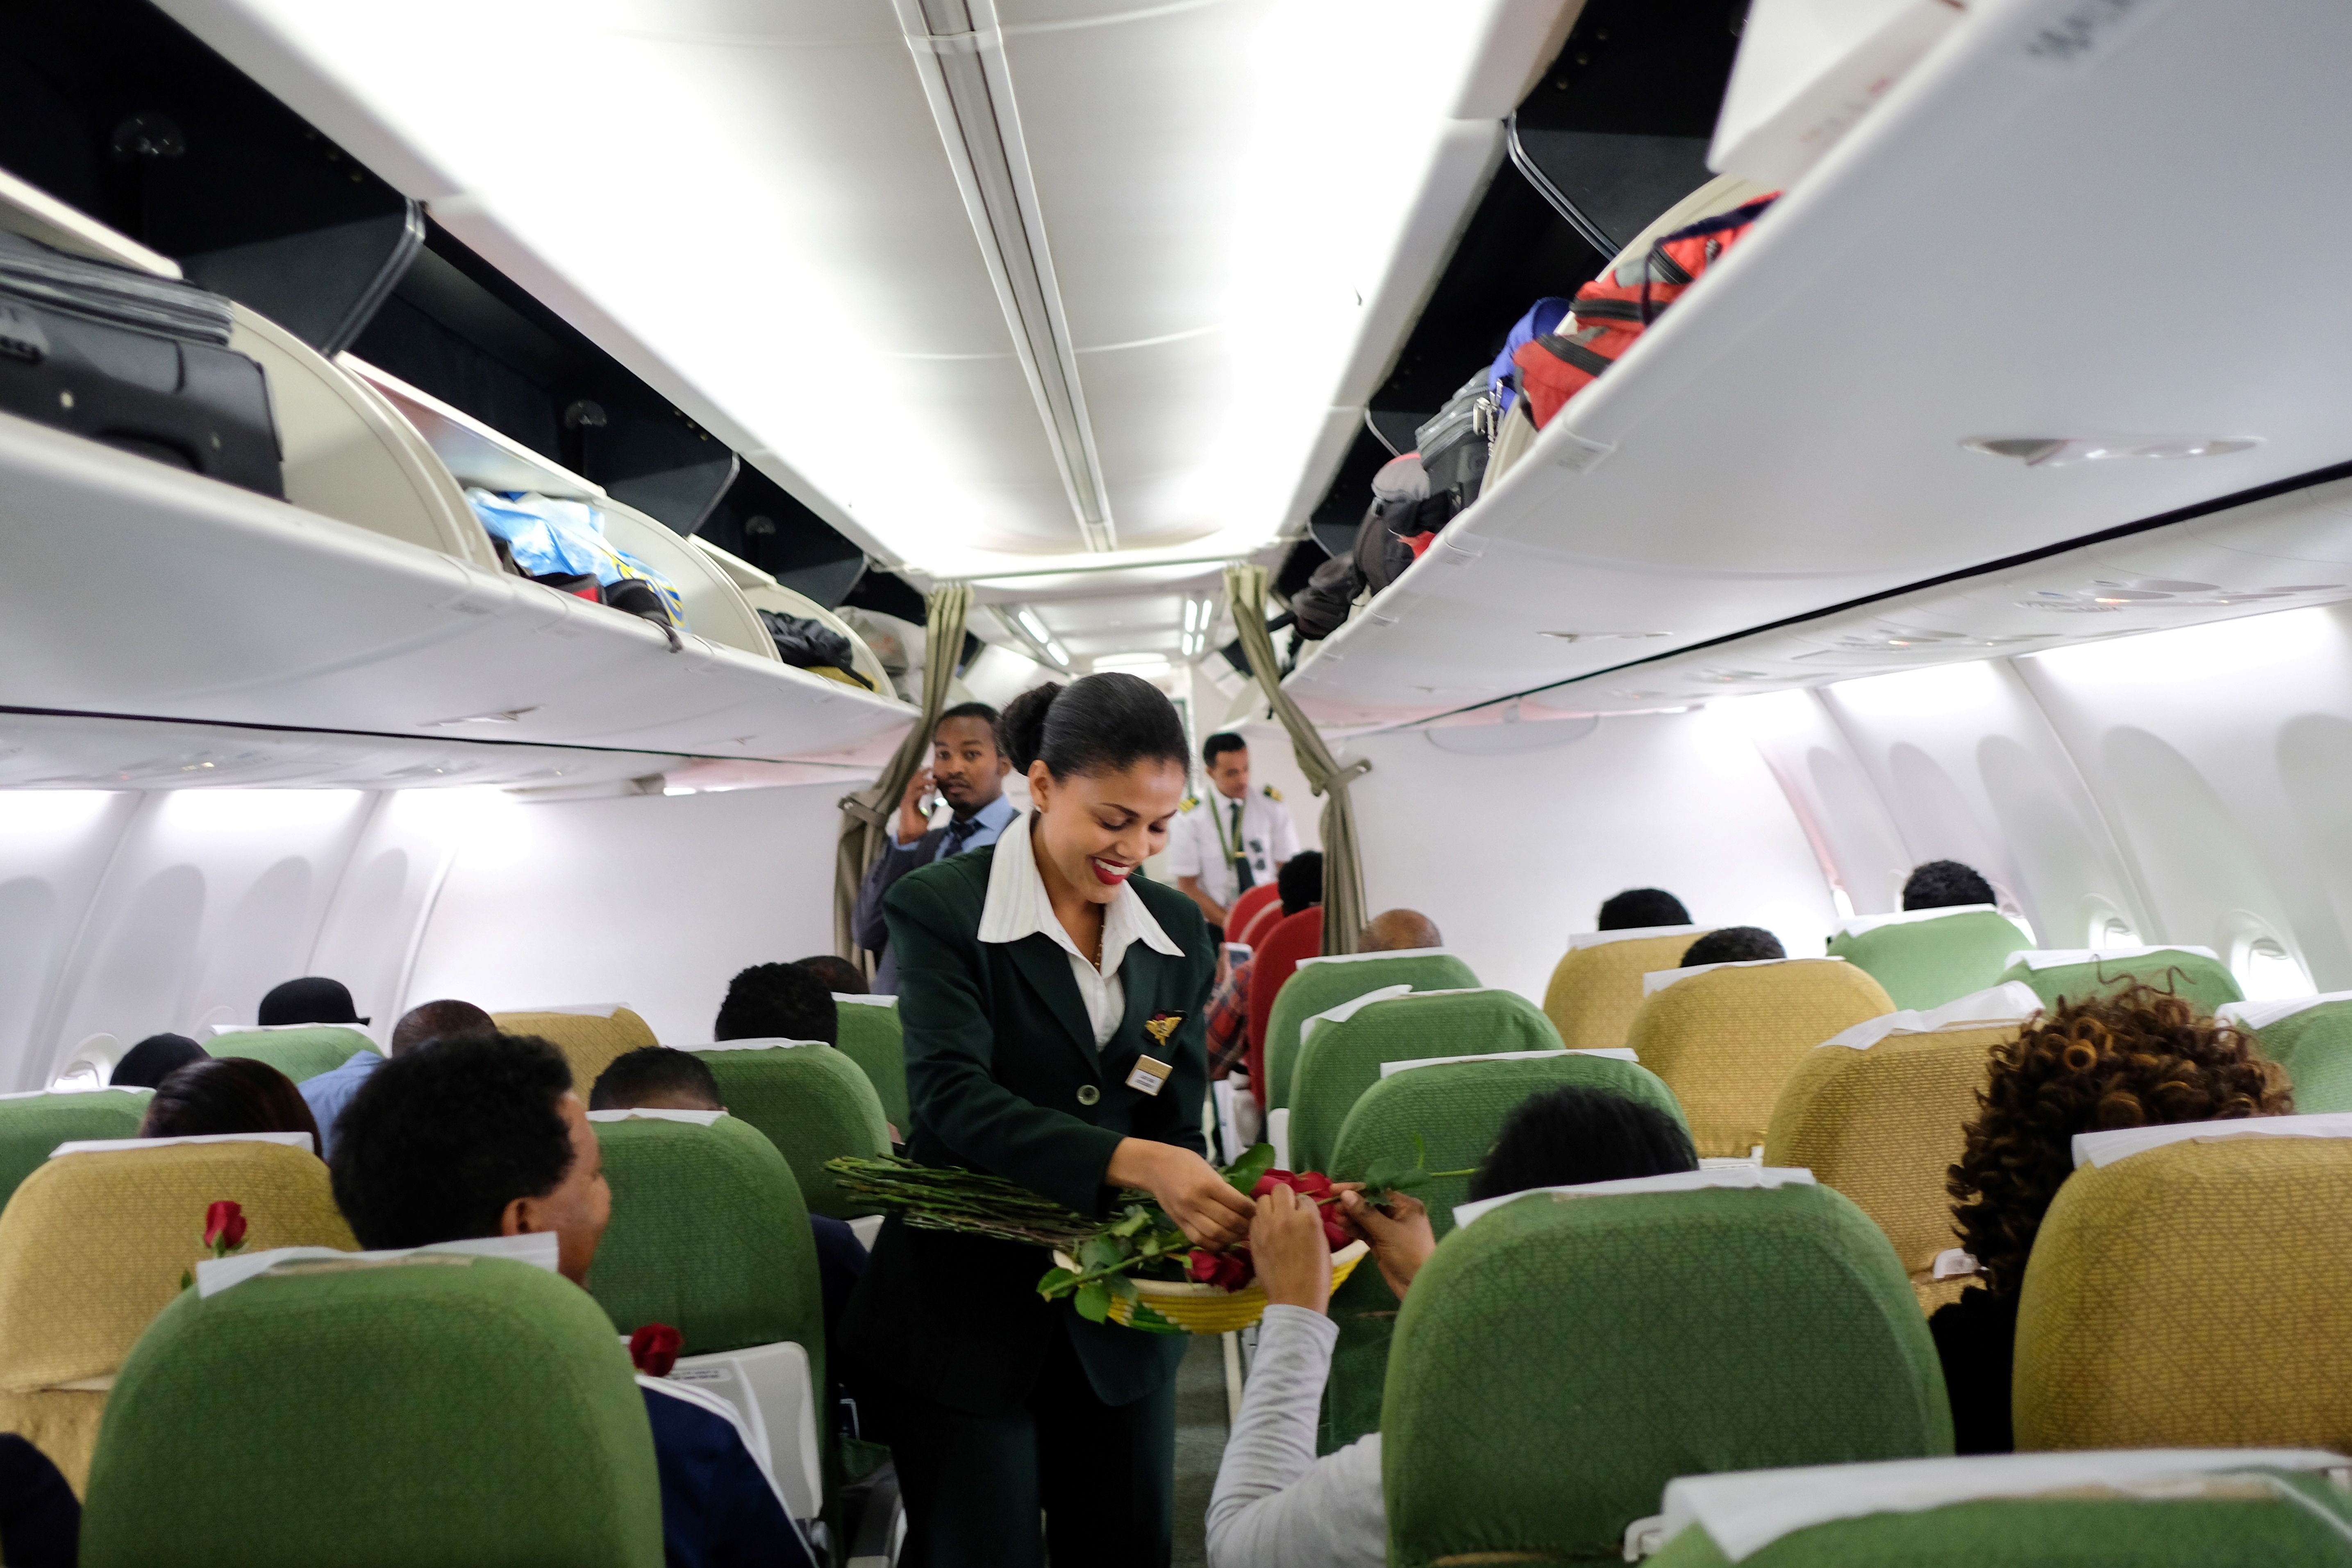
(67, 361)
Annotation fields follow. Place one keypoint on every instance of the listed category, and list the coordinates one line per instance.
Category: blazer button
(1089, 1094)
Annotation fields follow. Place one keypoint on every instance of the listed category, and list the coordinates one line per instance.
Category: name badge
(1150, 1077)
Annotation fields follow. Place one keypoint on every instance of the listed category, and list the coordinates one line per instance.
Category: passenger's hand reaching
(1400, 1238)
(1292, 1254)
(1204, 1204)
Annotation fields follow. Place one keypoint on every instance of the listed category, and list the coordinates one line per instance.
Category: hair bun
(1020, 728)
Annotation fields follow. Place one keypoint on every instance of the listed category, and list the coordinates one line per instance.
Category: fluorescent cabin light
(1035, 627)
(1133, 663)
(1059, 655)
(2058, 451)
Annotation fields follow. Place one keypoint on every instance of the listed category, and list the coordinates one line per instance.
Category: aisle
(1200, 1444)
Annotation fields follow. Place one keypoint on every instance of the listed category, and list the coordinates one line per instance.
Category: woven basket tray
(1199, 1309)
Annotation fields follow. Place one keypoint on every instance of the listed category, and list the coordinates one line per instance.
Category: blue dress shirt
(328, 1093)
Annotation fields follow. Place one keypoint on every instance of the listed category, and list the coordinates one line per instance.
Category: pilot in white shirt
(1234, 838)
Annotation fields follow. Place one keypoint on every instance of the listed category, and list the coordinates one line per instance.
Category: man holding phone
(967, 772)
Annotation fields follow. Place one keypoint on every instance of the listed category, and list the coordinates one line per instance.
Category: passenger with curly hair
(2140, 1059)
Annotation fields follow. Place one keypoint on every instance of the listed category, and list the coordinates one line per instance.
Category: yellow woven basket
(1199, 1309)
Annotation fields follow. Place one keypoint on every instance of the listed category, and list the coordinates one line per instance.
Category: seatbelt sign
(1150, 1077)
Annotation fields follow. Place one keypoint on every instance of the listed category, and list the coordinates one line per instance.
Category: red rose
(1270, 1180)
(655, 1348)
(224, 1225)
(1225, 1270)
(1312, 1184)
(1336, 1235)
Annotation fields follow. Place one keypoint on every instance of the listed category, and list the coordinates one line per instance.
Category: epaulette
(1190, 802)
(1272, 793)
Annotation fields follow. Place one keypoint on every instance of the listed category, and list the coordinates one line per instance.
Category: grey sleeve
(1275, 1503)
(866, 923)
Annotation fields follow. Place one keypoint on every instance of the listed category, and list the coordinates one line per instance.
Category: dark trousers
(1104, 1475)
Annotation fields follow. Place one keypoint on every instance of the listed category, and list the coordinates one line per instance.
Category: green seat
(1562, 1359)
(871, 1038)
(709, 1234)
(2315, 1045)
(1925, 963)
(1322, 983)
(1339, 1060)
(2236, 1516)
(300, 1054)
(1455, 1110)
(814, 1103)
(473, 1412)
(34, 1124)
(2192, 974)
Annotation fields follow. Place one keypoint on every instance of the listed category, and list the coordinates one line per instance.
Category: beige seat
(1596, 988)
(1725, 1038)
(92, 1246)
(1883, 1125)
(588, 1040)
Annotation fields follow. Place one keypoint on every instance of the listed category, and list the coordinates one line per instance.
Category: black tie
(1244, 878)
(959, 831)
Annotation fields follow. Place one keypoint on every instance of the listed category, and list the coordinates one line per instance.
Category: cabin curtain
(866, 816)
(1343, 872)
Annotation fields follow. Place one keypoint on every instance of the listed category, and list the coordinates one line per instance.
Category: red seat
(1262, 920)
(1293, 938)
(1242, 910)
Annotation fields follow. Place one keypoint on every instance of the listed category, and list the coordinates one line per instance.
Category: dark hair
(1636, 908)
(980, 710)
(2142, 1058)
(314, 999)
(838, 973)
(1734, 944)
(1218, 744)
(437, 1021)
(435, 1144)
(777, 1002)
(1099, 724)
(1566, 1136)
(156, 1059)
(1940, 884)
(227, 1094)
(1299, 881)
(634, 1077)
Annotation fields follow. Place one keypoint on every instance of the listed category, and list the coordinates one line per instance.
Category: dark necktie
(960, 832)
(1244, 878)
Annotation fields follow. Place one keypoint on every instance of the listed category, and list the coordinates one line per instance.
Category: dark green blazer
(1002, 1076)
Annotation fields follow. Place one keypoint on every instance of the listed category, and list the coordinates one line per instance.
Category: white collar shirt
(1017, 907)
(1203, 841)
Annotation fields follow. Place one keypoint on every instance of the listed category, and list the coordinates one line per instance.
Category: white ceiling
(753, 207)
(2068, 221)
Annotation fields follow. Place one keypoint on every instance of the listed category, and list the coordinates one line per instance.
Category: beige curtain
(866, 816)
(1343, 872)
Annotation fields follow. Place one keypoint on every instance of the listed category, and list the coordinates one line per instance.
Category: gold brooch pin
(1160, 1027)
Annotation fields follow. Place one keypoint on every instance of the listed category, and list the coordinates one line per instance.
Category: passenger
(968, 769)
(1275, 1504)
(2145, 1058)
(1637, 909)
(1942, 884)
(840, 977)
(656, 1078)
(314, 999)
(1231, 837)
(778, 1002)
(156, 1059)
(1733, 944)
(1395, 931)
(482, 1135)
(1227, 1040)
(1300, 883)
(328, 1093)
(227, 1094)
(40, 1519)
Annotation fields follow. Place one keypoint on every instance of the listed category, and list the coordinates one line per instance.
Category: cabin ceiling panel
(2001, 250)
(753, 207)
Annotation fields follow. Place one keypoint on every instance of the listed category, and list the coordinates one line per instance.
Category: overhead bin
(1796, 434)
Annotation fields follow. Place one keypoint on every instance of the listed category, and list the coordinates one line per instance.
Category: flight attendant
(1052, 1001)
(1234, 837)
